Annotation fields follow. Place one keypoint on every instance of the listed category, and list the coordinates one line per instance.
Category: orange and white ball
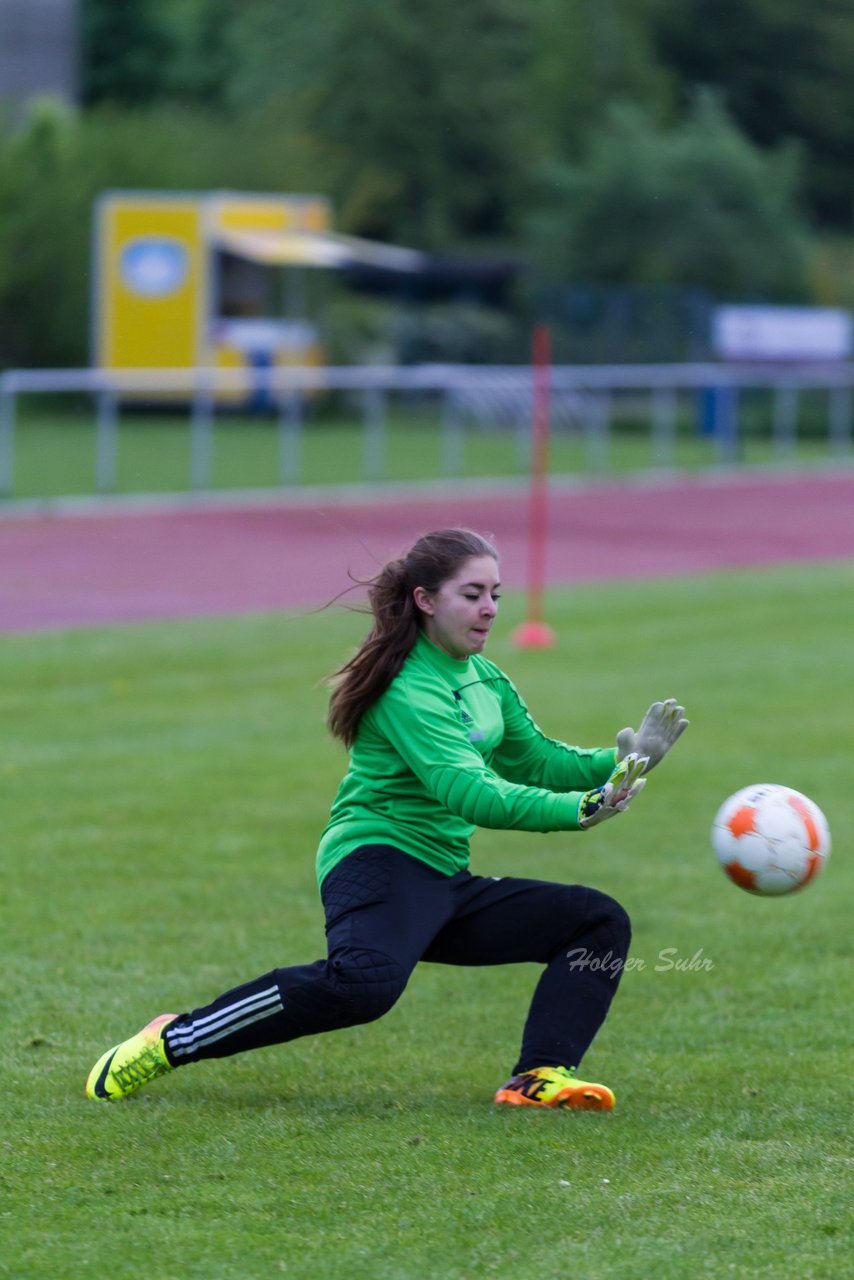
(770, 839)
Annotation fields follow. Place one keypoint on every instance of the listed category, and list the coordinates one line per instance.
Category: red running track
(64, 570)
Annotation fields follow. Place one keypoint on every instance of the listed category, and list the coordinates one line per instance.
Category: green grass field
(55, 451)
(164, 787)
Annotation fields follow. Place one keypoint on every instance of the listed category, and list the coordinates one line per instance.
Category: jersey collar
(440, 660)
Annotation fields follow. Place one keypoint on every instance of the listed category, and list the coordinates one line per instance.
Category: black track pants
(386, 911)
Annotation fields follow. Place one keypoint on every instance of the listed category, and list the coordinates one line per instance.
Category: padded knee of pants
(367, 982)
(609, 922)
(600, 924)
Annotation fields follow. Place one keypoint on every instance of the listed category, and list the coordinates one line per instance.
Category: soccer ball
(770, 839)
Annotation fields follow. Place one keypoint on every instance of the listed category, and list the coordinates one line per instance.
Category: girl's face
(458, 617)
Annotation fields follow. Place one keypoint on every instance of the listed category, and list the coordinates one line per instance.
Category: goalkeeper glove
(660, 728)
(615, 795)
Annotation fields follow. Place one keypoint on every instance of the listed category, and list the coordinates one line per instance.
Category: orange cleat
(554, 1087)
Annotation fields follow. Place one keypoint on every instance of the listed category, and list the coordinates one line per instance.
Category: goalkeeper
(440, 743)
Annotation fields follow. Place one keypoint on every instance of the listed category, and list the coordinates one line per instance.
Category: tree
(698, 205)
(424, 108)
(54, 166)
(126, 51)
(587, 54)
(784, 70)
(44, 250)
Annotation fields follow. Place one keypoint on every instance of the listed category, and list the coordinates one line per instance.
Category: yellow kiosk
(184, 280)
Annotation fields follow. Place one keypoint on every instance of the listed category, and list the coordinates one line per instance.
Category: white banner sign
(782, 333)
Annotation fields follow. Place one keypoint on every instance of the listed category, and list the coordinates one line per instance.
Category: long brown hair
(432, 560)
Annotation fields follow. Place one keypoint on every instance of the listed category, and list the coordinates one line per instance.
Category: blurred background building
(38, 51)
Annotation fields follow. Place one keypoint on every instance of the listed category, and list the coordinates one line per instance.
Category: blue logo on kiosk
(154, 266)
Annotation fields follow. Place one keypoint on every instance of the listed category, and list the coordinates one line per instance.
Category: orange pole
(534, 633)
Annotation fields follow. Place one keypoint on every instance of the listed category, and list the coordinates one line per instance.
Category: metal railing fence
(582, 398)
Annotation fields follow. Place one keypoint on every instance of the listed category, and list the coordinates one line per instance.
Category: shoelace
(147, 1065)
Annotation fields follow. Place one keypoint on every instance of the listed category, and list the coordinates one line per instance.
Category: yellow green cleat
(554, 1087)
(131, 1064)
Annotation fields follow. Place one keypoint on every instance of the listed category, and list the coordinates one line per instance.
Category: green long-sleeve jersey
(450, 746)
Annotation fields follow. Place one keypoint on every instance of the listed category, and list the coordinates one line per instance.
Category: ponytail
(397, 621)
(382, 654)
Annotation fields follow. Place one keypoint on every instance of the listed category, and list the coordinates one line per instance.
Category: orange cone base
(534, 635)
